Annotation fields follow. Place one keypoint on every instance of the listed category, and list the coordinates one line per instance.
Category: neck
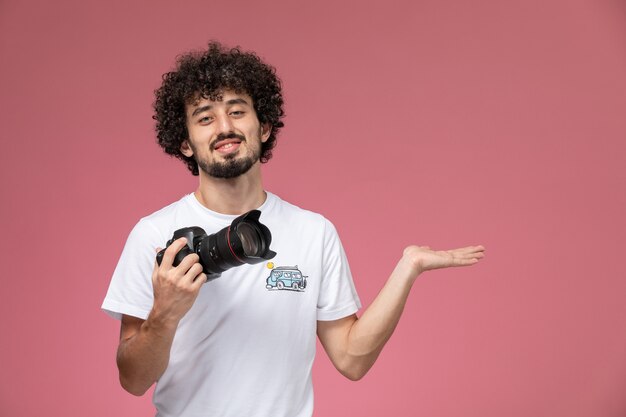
(234, 195)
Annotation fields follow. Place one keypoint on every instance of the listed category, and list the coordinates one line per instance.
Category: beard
(233, 166)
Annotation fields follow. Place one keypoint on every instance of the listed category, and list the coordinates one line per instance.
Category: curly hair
(207, 74)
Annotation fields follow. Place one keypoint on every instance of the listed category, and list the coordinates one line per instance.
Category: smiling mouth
(227, 146)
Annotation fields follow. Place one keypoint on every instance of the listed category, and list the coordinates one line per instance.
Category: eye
(205, 120)
(237, 113)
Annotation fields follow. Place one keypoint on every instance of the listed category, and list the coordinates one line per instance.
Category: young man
(242, 345)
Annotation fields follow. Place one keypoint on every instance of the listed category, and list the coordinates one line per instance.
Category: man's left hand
(423, 258)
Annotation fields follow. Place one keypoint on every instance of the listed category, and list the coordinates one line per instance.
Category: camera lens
(245, 241)
(251, 239)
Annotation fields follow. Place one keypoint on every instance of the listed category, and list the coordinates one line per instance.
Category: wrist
(411, 256)
(161, 321)
(408, 268)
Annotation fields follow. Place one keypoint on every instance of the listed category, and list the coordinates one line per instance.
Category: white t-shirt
(247, 345)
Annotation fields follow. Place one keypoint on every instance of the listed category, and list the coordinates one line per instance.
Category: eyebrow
(228, 103)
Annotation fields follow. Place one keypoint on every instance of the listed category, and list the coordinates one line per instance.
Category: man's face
(225, 135)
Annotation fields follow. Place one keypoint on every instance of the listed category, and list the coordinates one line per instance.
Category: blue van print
(286, 278)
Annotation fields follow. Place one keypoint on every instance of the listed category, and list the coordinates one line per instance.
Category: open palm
(424, 259)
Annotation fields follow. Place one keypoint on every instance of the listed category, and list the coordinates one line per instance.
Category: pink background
(441, 123)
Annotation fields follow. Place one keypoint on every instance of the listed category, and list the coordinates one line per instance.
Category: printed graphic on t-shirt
(285, 278)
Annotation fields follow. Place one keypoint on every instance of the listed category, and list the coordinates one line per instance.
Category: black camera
(245, 241)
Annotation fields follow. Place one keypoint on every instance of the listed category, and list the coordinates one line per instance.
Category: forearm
(354, 344)
(372, 330)
(143, 357)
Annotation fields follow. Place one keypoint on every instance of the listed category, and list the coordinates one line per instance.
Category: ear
(185, 149)
(266, 130)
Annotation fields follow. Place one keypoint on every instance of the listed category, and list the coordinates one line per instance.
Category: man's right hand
(176, 287)
(144, 349)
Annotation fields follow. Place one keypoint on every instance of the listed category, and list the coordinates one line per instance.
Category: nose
(225, 124)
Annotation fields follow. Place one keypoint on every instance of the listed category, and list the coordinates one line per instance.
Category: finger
(155, 272)
(465, 262)
(156, 263)
(192, 273)
(187, 262)
(200, 280)
(171, 251)
(468, 260)
(467, 255)
(477, 250)
(470, 249)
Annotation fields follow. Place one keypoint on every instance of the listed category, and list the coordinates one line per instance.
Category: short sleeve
(338, 297)
(130, 291)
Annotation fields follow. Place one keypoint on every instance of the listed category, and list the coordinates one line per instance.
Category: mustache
(228, 135)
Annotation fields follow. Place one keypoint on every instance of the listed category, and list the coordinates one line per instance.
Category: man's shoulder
(168, 213)
(291, 213)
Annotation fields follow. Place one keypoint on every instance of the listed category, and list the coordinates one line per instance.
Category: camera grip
(189, 233)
